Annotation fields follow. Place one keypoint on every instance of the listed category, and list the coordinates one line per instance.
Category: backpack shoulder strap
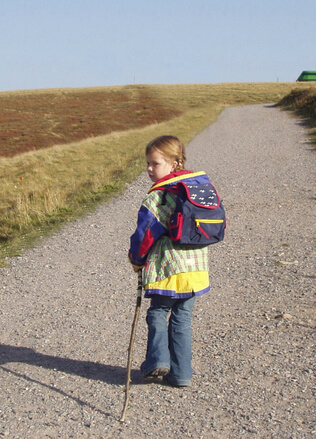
(162, 185)
(164, 197)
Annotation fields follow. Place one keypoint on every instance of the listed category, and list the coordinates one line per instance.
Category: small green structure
(307, 75)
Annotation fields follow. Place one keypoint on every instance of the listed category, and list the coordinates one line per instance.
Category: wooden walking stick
(131, 343)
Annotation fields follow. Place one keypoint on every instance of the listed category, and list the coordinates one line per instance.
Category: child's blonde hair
(170, 147)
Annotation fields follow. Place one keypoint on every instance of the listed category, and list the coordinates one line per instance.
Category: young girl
(173, 274)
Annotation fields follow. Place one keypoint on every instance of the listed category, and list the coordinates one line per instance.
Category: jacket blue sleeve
(148, 231)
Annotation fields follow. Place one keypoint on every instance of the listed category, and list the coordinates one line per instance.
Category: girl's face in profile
(157, 166)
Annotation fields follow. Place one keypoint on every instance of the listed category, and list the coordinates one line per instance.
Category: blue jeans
(169, 343)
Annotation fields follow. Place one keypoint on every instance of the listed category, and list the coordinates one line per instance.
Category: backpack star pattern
(203, 194)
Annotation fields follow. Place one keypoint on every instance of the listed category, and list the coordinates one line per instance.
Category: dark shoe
(159, 372)
(170, 382)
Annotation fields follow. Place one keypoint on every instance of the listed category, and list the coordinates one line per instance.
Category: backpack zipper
(208, 221)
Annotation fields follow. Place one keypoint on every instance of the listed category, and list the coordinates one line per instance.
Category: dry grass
(58, 181)
(302, 101)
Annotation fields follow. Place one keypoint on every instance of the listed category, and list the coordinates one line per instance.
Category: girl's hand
(136, 269)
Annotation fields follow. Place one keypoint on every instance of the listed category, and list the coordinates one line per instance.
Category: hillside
(37, 119)
(64, 151)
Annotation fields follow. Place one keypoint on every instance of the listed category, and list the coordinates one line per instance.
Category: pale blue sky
(79, 43)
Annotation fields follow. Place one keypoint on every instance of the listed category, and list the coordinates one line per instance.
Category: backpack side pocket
(176, 226)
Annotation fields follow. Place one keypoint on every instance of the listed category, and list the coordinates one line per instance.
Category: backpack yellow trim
(175, 179)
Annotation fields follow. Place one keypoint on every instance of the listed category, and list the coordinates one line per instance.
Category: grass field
(63, 151)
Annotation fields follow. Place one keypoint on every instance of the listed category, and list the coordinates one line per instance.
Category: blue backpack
(199, 217)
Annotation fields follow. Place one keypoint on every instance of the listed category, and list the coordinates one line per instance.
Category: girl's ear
(174, 165)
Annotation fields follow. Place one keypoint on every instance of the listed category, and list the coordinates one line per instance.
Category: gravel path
(67, 307)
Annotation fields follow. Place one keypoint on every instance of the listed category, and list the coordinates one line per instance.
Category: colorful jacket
(169, 269)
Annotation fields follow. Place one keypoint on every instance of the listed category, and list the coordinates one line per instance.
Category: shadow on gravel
(86, 369)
